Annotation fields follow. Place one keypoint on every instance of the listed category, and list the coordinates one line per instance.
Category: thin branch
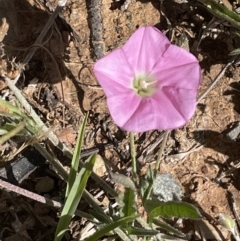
(48, 25)
(29, 194)
(215, 81)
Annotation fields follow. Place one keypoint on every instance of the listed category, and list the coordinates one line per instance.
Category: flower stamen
(144, 85)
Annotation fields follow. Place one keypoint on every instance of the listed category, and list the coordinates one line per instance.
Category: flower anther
(144, 85)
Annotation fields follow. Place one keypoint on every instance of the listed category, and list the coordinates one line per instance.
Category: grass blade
(74, 197)
(142, 232)
(76, 157)
(168, 227)
(12, 133)
(235, 52)
(129, 207)
(222, 12)
(108, 228)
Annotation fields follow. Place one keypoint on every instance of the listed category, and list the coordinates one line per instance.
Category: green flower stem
(133, 156)
(163, 144)
(155, 172)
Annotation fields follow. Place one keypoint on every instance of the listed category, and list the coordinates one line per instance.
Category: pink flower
(149, 83)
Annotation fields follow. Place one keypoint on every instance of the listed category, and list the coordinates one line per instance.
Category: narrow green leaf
(108, 228)
(142, 232)
(222, 12)
(175, 209)
(129, 207)
(16, 112)
(89, 199)
(82, 214)
(63, 231)
(74, 196)
(235, 52)
(76, 157)
(167, 227)
(99, 216)
(151, 204)
(146, 184)
(8, 108)
(124, 180)
(147, 192)
(12, 133)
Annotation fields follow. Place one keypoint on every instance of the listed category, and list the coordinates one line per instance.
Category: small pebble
(45, 184)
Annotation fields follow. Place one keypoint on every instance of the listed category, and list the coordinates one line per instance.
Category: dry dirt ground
(206, 151)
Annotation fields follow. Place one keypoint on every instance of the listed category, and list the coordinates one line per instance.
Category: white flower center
(144, 85)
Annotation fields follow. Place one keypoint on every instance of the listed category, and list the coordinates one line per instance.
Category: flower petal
(144, 48)
(122, 106)
(168, 110)
(143, 118)
(186, 76)
(177, 74)
(114, 67)
(177, 67)
(174, 56)
(154, 115)
(110, 86)
(183, 102)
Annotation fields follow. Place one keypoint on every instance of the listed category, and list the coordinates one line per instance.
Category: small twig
(229, 171)
(96, 27)
(220, 75)
(48, 25)
(152, 146)
(182, 155)
(29, 194)
(10, 187)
